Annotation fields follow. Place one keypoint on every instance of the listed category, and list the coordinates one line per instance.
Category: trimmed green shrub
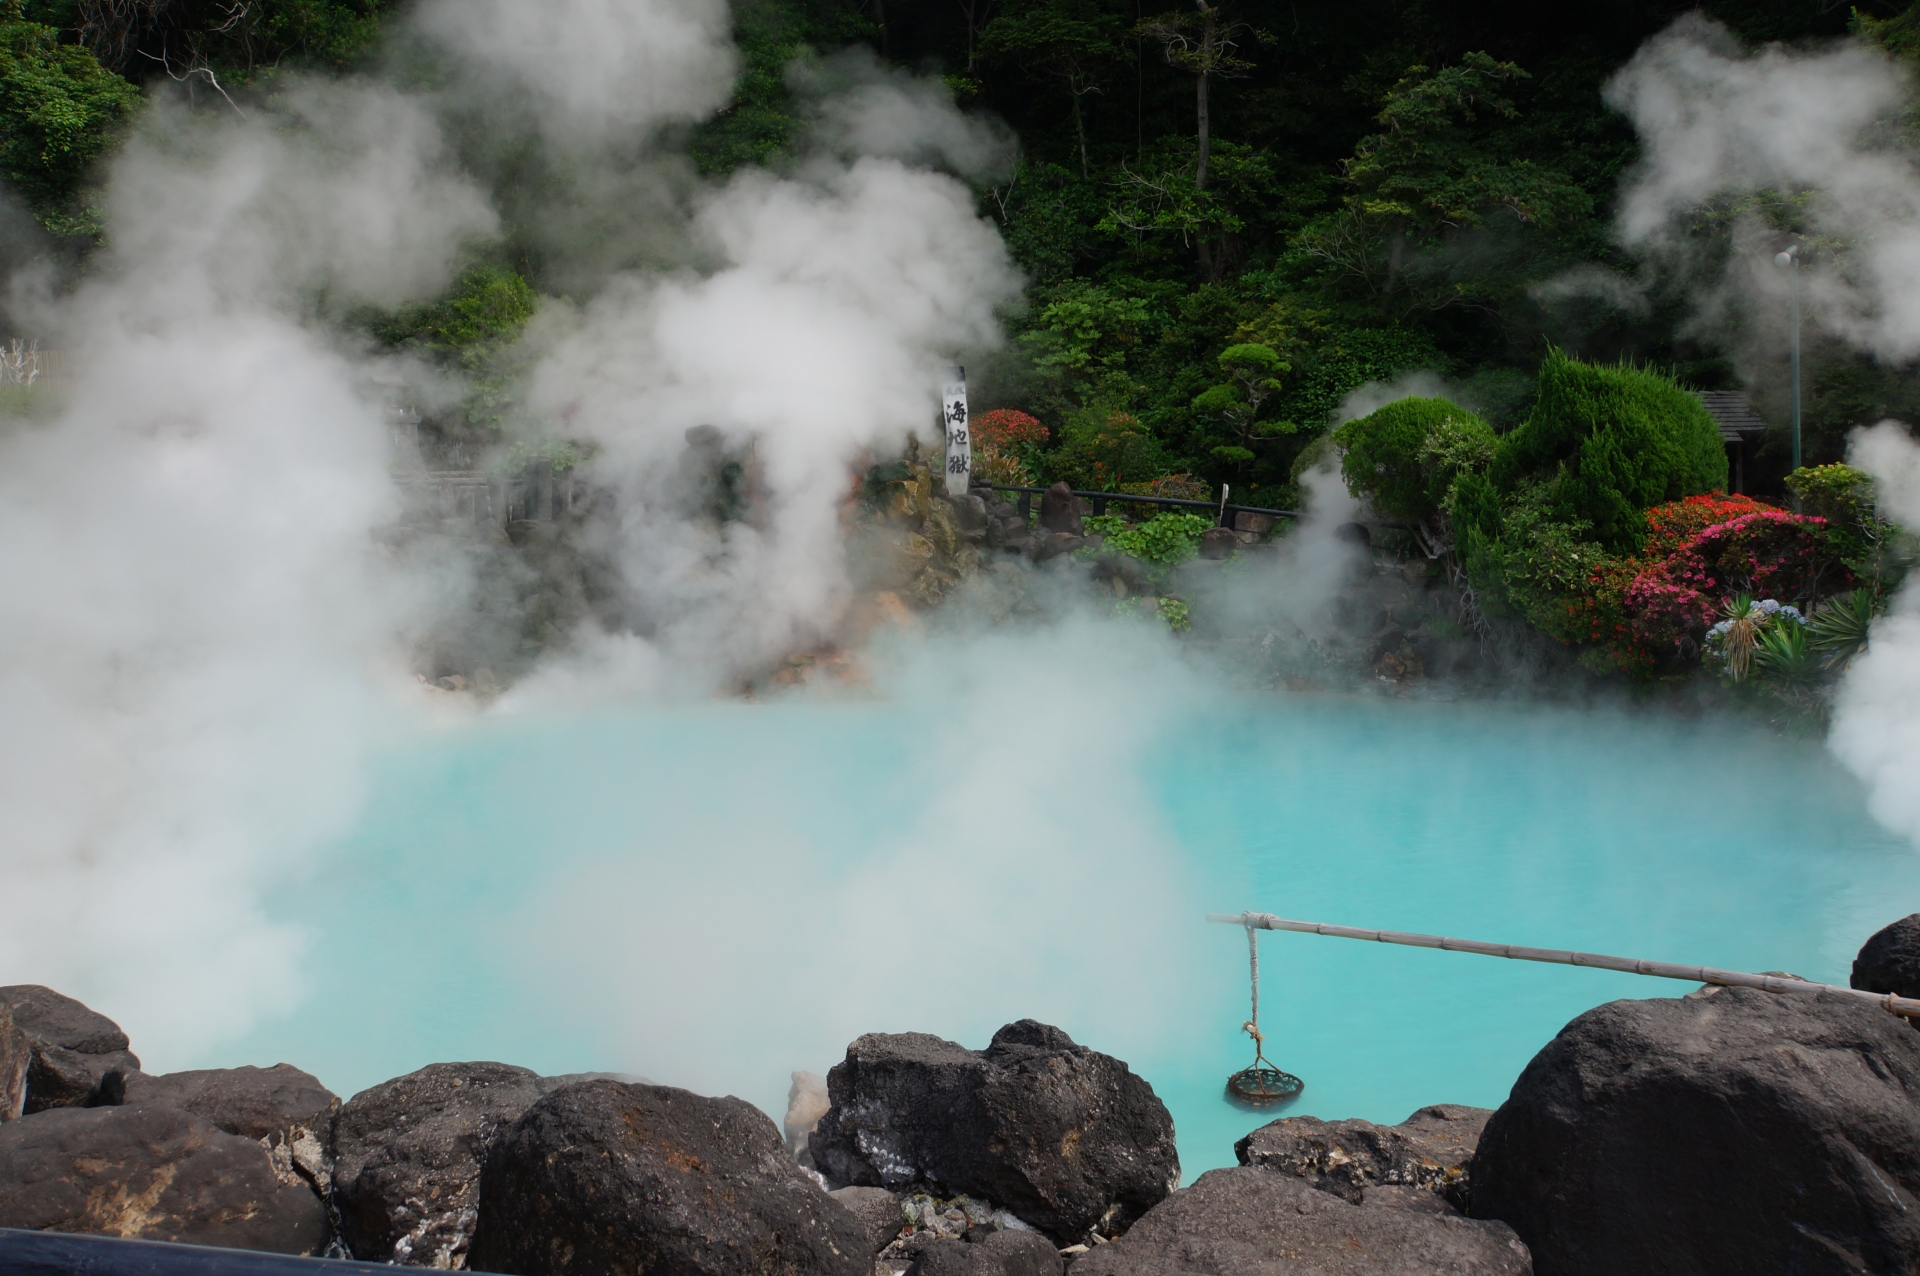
(1405, 456)
(1611, 442)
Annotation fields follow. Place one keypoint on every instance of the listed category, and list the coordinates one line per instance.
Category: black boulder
(407, 1155)
(1890, 960)
(1253, 1222)
(78, 1056)
(1728, 1131)
(1068, 1139)
(608, 1177)
(152, 1172)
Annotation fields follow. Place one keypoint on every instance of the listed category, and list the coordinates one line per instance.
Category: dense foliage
(1609, 443)
(1233, 218)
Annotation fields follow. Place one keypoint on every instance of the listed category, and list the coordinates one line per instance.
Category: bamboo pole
(1906, 1006)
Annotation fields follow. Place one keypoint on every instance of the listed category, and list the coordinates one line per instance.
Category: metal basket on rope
(1260, 1085)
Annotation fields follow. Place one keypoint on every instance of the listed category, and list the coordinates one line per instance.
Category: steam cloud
(201, 638)
(1719, 124)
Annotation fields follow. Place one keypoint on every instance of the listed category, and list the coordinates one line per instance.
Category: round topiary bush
(1612, 442)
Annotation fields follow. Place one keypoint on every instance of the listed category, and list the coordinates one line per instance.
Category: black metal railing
(1224, 512)
(24, 1253)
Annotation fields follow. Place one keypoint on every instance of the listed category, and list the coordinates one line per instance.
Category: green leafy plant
(1838, 630)
(1610, 442)
(60, 111)
(1783, 651)
(1406, 457)
(1165, 540)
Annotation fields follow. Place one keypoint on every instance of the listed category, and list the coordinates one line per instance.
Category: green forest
(1231, 216)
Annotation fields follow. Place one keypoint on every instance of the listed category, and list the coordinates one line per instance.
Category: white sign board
(953, 418)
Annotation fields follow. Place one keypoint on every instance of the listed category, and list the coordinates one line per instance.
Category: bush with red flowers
(1767, 553)
(1003, 427)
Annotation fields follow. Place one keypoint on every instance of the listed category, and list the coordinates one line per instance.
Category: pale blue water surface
(477, 912)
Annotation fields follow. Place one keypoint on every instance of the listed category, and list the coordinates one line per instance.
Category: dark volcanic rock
(1430, 1149)
(1218, 542)
(986, 1251)
(605, 1177)
(1890, 961)
(76, 1052)
(407, 1155)
(876, 1210)
(155, 1173)
(1252, 1222)
(1060, 510)
(1064, 1137)
(287, 1110)
(16, 1056)
(1741, 1132)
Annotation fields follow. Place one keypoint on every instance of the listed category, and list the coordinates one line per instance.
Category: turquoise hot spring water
(714, 895)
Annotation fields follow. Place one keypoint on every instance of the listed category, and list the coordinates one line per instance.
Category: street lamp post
(1790, 262)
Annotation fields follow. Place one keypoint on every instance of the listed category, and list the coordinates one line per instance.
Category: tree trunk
(1206, 136)
(1080, 130)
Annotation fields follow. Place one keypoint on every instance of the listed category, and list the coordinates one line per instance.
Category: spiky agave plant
(1783, 651)
(1838, 631)
(1739, 633)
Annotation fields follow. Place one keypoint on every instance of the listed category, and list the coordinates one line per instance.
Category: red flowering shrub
(1672, 525)
(1598, 619)
(1767, 553)
(1004, 427)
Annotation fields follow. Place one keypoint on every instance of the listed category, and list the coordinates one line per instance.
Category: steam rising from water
(1720, 125)
(200, 637)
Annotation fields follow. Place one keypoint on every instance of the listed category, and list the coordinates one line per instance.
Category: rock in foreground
(987, 1251)
(16, 1056)
(77, 1056)
(1253, 1222)
(154, 1173)
(606, 1177)
(1890, 960)
(1739, 1131)
(1066, 1138)
(1430, 1150)
(407, 1156)
(287, 1110)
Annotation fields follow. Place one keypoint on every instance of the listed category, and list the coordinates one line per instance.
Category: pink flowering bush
(1768, 553)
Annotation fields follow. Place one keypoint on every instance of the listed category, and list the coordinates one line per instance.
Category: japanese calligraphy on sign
(953, 419)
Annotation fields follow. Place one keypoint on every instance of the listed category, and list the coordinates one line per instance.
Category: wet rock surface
(155, 1173)
(1061, 510)
(1744, 1131)
(407, 1157)
(985, 1251)
(603, 1176)
(1430, 1150)
(77, 1055)
(1253, 1222)
(1890, 960)
(16, 1056)
(876, 1210)
(1064, 1137)
(287, 1110)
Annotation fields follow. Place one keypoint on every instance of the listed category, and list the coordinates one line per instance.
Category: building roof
(1732, 413)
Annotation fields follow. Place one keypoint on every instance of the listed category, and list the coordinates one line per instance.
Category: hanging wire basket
(1262, 1085)
(1258, 1087)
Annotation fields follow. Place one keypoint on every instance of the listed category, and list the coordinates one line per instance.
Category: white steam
(598, 69)
(188, 597)
(1719, 124)
(1370, 398)
(201, 634)
(1876, 721)
(816, 339)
